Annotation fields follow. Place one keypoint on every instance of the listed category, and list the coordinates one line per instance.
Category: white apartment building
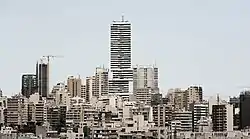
(194, 95)
(39, 112)
(133, 108)
(74, 113)
(8, 133)
(204, 124)
(82, 113)
(200, 110)
(62, 97)
(132, 118)
(76, 100)
(127, 109)
(137, 124)
(58, 87)
(110, 102)
(121, 73)
(83, 90)
(90, 87)
(185, 117)
(3, 106)
(95, 86)
(101, 82)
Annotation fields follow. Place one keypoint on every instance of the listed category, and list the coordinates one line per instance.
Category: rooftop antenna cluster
(122, 20)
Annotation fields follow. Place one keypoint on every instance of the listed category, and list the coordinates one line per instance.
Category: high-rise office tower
(42, 70)
(29, 84)
(74, 86)
(121, 73)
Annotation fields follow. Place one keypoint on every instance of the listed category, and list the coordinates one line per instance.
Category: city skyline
(213, 68)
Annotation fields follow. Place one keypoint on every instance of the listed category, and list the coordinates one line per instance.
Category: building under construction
(42, 78)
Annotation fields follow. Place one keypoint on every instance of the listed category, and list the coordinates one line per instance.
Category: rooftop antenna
(218, 99)
(122, 18)
(155, 63)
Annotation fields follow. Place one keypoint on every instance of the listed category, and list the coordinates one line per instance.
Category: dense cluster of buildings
(123, 101)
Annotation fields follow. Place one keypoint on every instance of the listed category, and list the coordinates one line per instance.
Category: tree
(86, 131)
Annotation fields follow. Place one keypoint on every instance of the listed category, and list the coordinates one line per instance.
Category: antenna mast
(122, 18)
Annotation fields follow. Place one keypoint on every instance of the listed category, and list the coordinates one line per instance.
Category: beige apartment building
(178, 98)
(74, 86)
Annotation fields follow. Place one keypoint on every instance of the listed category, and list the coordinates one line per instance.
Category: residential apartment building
(83, 91)
(178, 98)
(39, 112)
(74, 86)
(3, 107)
(194, 95)
(244, 107)
(145, 83)
(185, 119)
(200, 110)
(145, 95)
(162, 115)
(90, 87)
(222, 117)
(56, 117)
(145, 77)
(101, 82)
(15, 110)
(62, 97)
(29, 85)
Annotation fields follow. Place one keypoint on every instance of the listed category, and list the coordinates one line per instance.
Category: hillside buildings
(119, 102)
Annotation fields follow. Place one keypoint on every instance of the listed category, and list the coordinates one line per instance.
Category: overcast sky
(192, 41)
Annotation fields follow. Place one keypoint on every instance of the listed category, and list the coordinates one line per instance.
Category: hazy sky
(192, 41)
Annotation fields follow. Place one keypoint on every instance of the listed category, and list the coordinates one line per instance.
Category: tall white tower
(121, 73)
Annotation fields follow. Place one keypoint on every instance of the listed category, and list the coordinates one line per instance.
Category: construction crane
(48, 57)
